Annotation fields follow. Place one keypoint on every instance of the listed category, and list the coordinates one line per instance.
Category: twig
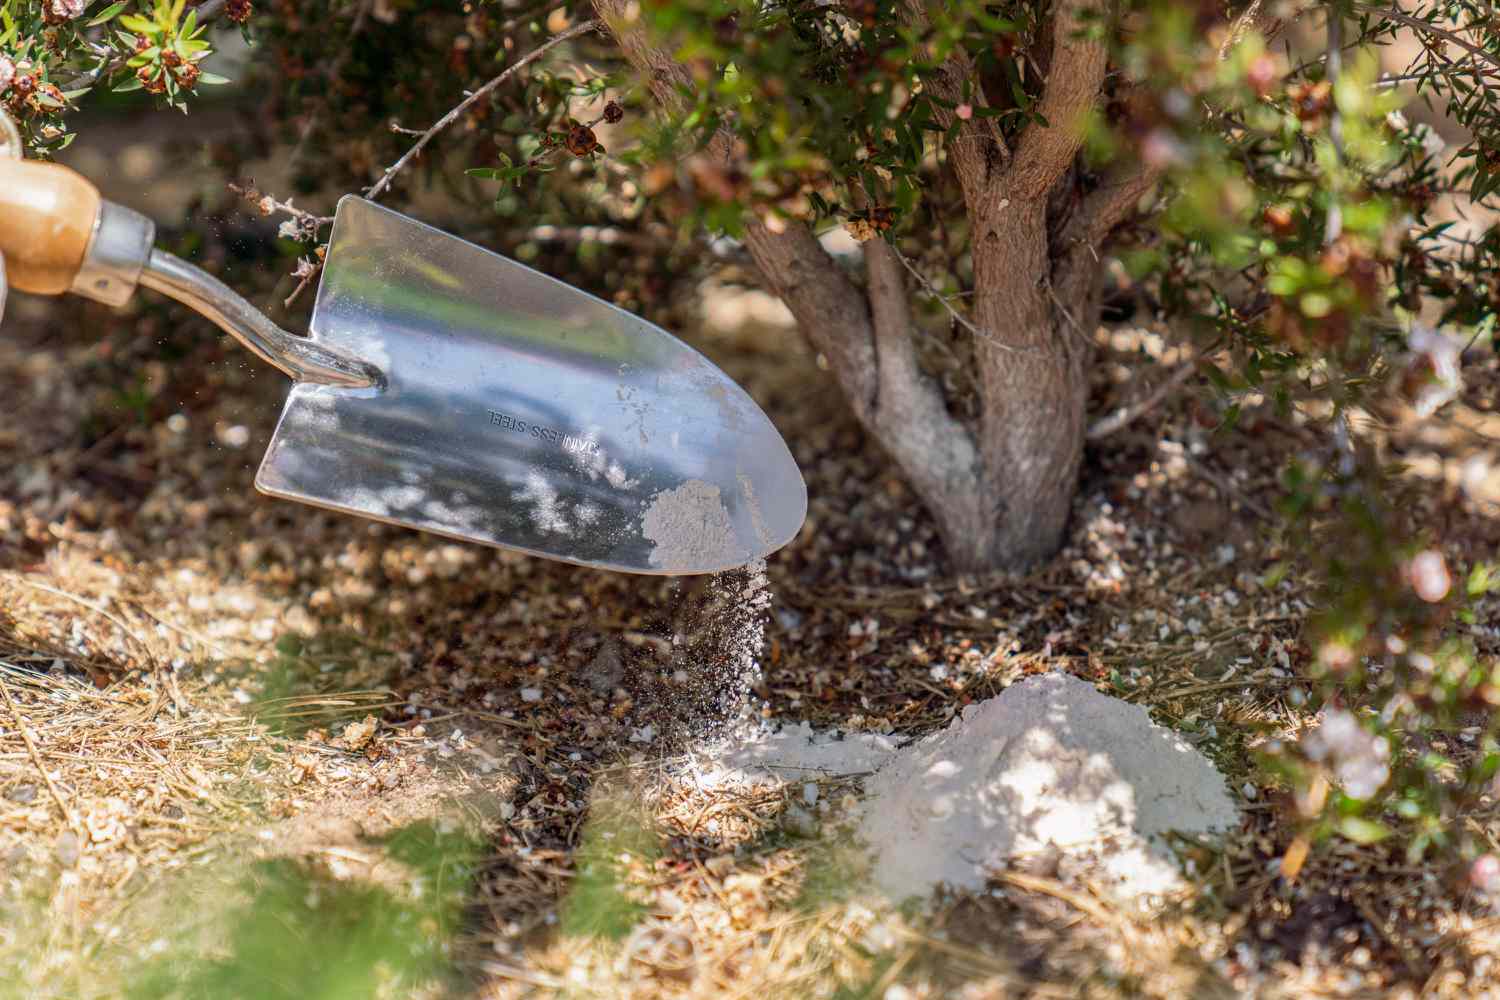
(307, 277)
(335, 73)
(36, 759)
(270, 203)
(1397, 14)
(1241, 25)
(958, 317)
(1125, 415)
(1334, 225)
(379, 186)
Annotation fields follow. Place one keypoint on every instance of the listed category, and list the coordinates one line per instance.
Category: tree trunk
(1000, 492)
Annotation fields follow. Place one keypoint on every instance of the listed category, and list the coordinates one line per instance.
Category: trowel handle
(57, 235)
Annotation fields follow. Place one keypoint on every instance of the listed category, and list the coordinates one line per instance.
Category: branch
(335, 74)
(831, 311)
(1108, 205)
(958, 317)
(1126, 415)
(979, 149)
(833, 314)
(1396, 14)
(452, 116)
(1074, 80)
(937, 452)
(1334, 224)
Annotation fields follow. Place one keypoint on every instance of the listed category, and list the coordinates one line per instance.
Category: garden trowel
(445, 388)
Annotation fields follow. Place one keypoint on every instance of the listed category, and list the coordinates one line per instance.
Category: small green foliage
(301, 934)
(54, 52)
(599, 904)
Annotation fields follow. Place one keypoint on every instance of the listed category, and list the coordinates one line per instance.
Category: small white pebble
(1251, 792)
(810, 793)
(531, 694)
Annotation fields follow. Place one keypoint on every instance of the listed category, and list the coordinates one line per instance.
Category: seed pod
(580, 140)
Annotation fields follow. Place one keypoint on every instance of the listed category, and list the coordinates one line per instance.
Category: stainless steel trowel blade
(522, 413)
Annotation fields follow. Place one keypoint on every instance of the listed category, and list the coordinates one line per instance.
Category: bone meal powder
(690, 526)
(1048, 770)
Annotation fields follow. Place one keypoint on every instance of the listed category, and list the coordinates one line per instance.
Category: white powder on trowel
(1050, 767)
(690, 526)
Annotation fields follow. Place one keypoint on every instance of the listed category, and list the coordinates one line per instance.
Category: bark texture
(1001, 491)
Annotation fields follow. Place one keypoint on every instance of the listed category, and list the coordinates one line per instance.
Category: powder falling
(690, 528)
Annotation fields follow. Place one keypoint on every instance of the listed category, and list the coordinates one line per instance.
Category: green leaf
(1363, 831)
(137, 24)
(213, 79)
(127, 86)
(107, 14)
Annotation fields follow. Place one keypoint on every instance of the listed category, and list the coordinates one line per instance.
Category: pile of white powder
(1048, 768)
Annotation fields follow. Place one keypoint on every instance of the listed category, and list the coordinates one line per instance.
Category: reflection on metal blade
(523, 413)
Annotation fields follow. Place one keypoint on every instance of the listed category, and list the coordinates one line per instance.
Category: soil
(198, 679)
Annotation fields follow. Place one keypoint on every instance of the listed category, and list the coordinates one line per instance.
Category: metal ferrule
(298, 357)
(116, 254)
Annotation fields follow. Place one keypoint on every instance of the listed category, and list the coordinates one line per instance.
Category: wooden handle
(47, 216)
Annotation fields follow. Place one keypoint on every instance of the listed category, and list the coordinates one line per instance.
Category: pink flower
(964, 111)
(1429, 576)
(7, 73)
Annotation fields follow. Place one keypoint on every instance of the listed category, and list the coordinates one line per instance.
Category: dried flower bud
(267, 205)
(581, 140)
(187, 75)
(170, 59)
(142, 43)
(1311, 102)
(305, 268)
(1279, 219)
(613, 112)
(861, 229)
(289, 230)
(238, 11)
(152, 79)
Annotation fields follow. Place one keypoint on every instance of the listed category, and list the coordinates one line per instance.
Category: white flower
(1439, 355)
(289, 230)
(66, 10)
(7, 73)
(1359, 758)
